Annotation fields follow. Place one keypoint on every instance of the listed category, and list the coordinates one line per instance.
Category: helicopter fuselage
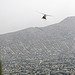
(44, 17)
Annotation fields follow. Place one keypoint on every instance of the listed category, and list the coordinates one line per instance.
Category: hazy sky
(20, 14)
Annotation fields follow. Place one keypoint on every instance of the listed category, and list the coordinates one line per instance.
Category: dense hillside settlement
(46, 50)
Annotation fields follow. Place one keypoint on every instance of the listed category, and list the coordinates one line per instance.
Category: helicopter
(45, 16)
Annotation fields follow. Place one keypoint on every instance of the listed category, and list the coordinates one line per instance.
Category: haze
(20, 14)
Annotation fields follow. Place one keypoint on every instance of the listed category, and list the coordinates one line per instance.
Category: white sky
(20, 14)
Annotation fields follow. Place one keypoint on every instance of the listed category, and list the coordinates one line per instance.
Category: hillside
(54, 41)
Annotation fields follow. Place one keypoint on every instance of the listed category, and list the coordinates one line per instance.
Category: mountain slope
(52, 41)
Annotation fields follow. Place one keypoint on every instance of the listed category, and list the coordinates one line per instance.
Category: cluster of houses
(40, 67)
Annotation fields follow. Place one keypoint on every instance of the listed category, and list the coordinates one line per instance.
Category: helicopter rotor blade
(45, 14)
(49, 15)
(42, 13)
